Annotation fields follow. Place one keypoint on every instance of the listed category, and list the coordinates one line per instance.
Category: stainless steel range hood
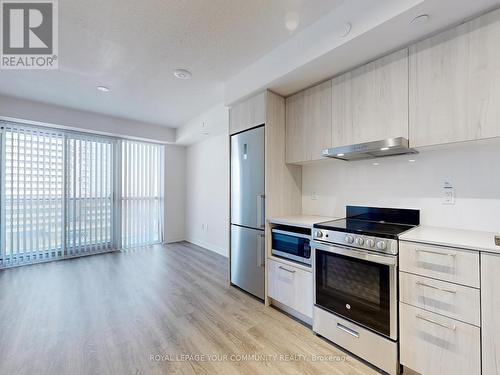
(369, 150)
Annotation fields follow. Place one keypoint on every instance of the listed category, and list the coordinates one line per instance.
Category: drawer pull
(436, 288)
(286, 269)
(348, 330)
(436, 253)
(451, 328)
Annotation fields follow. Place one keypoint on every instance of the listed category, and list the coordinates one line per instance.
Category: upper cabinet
(370, 103)
(455, 84)
(248, 114)
(308, 123)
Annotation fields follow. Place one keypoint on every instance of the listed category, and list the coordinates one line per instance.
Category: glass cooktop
(372, 221)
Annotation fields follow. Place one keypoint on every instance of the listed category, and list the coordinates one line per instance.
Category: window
(142, 194)
(89, 203)
(33, 195)
(69, 194)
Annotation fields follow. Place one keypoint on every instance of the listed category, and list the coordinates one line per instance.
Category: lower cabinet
(490, 313)
(291, 286)
(433, 344)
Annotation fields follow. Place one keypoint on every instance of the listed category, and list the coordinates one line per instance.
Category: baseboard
(173, 240)
(216, 249)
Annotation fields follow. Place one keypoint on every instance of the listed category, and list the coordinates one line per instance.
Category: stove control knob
(381, 245)
(370, 242)
(360, 241)
(319, 234)
(349, 239)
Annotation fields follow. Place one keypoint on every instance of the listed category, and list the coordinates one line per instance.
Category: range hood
(369, 150)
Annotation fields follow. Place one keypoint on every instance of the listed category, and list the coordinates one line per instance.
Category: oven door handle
(390, 260)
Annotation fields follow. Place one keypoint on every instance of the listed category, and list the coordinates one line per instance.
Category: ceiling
(132, 47)
(320, 51)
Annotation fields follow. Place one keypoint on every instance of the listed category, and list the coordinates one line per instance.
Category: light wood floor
(108, 314)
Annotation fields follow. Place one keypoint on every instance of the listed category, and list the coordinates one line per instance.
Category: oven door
(358, 285)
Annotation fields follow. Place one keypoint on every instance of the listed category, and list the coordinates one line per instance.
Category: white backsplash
(472, 168)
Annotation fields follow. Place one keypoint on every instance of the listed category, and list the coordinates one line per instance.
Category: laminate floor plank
(149, 311)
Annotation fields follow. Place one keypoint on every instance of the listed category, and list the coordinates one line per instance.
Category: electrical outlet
(448, 194)
(314, 196)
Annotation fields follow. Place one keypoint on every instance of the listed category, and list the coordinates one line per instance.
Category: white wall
(175, 193)
(207, 193)
(472, 168)
(213, 121)
(66, 118)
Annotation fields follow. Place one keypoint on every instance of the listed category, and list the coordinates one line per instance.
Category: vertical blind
(89, 202)
(69, 194)
(33, 195)
(142, 197)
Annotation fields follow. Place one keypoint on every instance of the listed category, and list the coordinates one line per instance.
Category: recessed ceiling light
(376, 164)
(346, 30)
(384, 148)
(182, 73)
(412, 160)
(103, 89)
(420, 19)
(340, 154)
(292, 20)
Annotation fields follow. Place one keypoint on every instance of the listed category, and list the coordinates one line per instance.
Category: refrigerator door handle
(261, 256)
(261, 207)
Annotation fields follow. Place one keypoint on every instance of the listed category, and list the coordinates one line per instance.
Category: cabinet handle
(348, 330)
(436, 253)
(435, 287)
(451, 328)
(286, 269)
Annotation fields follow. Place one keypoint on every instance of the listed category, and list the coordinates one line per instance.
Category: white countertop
(303, 221)
(460, 238)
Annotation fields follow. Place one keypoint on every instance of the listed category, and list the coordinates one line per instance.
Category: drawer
(434, 345)
(291, 286)
(443, 263)
(452, 300)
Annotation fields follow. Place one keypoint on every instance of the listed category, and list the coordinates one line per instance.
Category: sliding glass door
(33, 195)
(142, 193)
(89, 189)
(67, 194)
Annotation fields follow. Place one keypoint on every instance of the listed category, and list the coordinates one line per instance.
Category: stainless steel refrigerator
(248, 211)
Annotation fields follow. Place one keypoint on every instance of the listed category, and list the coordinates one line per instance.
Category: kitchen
(250, 187)
(401, 288)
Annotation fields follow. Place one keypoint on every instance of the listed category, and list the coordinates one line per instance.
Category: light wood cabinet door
(432, 344)
(291, 286)
(455, 84)
(248, 113)
(370, 103)
(452, 300)
(439, 262)
(490, 308)
(308, 123)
